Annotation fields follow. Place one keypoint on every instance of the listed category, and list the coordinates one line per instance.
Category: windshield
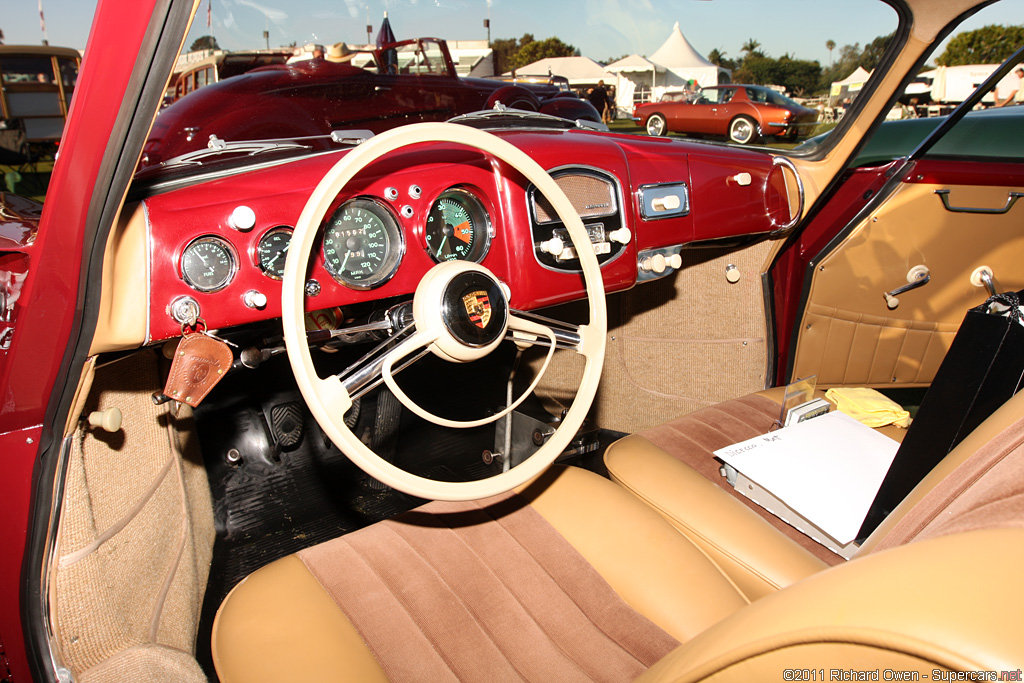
(308, 76)
(374, 68)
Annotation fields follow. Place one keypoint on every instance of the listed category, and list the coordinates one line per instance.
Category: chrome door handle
(1011, 199)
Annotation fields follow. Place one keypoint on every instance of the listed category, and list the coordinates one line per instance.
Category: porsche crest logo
(478, 307)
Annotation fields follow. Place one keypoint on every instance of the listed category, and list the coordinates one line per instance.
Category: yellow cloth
(868, 406)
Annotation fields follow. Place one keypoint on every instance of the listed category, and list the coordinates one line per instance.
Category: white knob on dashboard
(553, 246)
(654, 264)
(622, 235)
(255, 299)
(732, 274)
(675, 261)
(242, 219)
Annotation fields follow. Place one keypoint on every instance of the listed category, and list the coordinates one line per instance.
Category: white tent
(684, 63)
(849, 86)
(635, 80)
(581, 71)
(669, 68)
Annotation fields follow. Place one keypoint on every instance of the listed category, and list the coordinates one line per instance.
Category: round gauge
(272, 250)
(458, 227)
(362, 244)
(208, 264)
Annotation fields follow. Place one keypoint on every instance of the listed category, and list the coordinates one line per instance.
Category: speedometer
(362, 244)
(458, 227)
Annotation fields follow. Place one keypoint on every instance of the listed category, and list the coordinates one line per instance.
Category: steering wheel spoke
(530, 329)
(398, 352)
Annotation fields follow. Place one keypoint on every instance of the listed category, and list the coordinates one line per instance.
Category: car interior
(441, 404)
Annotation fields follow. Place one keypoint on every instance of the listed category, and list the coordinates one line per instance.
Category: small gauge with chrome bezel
(208, 263)
(272, 250)
(458, 227)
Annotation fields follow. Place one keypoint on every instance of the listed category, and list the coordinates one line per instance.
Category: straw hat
(340, 53)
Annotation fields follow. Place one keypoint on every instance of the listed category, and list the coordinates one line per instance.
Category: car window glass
(711, 95)
(27, 69)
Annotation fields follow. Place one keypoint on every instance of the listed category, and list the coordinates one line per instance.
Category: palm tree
(750, 46)
(831, 45)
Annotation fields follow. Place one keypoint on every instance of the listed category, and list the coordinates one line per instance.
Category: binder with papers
(819, 475)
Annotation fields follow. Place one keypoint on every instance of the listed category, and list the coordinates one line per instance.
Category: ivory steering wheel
(447, 316)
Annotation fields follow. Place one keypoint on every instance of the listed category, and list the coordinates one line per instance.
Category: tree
(503, 50)
(204, 43)
(830, 45)
(750, 47)
(872, 53)
(541, 49)
(798, 76)
(718, 58)
(987, 45)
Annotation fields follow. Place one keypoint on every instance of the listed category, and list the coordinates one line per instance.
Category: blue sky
(599, 28)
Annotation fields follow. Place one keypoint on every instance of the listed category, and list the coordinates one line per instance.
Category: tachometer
(362, 244)
(458, 227)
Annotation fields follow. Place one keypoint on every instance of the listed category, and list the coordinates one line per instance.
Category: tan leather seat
(577, 578)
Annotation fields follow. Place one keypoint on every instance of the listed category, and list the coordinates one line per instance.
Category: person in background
(599, 98)
(1015, 94)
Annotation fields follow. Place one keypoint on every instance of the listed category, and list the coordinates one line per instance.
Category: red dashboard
(642, 200)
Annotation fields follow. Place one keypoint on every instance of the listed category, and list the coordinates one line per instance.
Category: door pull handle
(1011, 199)
(918, 276)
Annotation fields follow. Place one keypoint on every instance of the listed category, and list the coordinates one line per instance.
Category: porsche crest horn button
(474, 309)
(478, 307)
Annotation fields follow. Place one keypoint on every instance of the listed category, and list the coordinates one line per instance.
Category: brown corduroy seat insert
(693, 438)
(483, 591)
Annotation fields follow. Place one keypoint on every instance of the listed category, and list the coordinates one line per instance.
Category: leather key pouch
(200, 361)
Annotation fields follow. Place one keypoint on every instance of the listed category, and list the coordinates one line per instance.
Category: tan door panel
(848, 334)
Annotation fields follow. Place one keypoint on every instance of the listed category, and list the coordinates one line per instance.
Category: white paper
(828, 469)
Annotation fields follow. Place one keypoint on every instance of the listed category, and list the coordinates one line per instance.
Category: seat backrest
(945, 603)
(935, 587)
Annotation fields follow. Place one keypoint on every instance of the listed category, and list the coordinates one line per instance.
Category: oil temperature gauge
(208, 264)
(458, 227)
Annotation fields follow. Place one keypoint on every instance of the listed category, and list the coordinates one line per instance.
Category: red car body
(60, 257)
(742, 113)
(316, 96)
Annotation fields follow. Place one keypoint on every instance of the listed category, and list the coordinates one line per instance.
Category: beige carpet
(675, 345)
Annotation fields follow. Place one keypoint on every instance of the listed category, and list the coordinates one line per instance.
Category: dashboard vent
(591, 196)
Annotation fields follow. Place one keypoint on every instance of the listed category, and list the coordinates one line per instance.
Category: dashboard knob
(675, 261)
(654, 264)
(732, 274)
(622, 235)
(553, 246)
(242, 219)
(255, 299)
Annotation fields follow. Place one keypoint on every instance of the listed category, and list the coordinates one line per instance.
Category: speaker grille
(591, 197)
